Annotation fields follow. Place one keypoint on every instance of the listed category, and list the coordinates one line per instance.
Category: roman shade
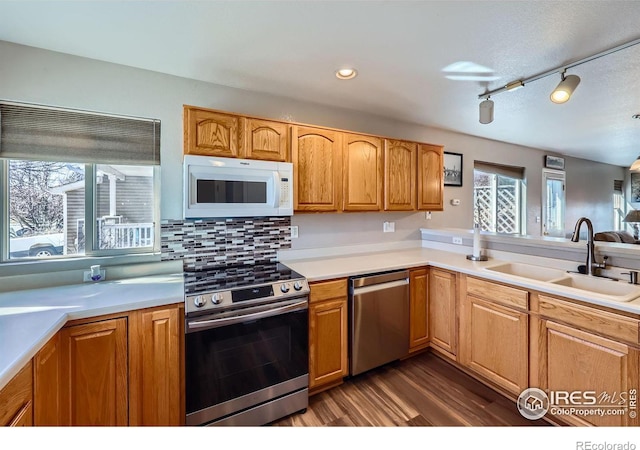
(43, 133)
(500, 169)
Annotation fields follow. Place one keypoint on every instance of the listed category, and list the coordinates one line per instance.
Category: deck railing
(126, 235)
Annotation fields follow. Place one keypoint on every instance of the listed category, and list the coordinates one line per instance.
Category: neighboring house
(124, 203)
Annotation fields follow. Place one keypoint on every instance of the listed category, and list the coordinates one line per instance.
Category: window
(553, 202)
(498, 198)
(77, 183)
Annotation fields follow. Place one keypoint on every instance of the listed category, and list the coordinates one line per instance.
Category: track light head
(562, 93)
(486, 111)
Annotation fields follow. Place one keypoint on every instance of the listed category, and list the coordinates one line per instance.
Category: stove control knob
(284, 287)
(200, 301)
(216, 299)
(297, 285)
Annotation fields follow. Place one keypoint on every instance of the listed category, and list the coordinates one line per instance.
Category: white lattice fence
(499, 212)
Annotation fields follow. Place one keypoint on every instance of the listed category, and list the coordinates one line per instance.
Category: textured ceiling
(399, 49)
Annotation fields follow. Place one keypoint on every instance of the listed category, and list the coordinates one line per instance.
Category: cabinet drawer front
(328, 290)
(601, 322)
(498, 293)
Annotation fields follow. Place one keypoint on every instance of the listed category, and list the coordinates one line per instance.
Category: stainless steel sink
(530, 271)
(615, 290)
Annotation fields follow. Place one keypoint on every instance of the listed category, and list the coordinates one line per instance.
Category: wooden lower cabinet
(328, 334)
(94, 387)
(577, 348)
(419, 309)
(494, 342)
(155, 367)
(443, 321)
(16, 399)
(117, 371)
(47, 381)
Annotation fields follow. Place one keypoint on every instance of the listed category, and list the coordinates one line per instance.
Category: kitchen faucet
(592, 265)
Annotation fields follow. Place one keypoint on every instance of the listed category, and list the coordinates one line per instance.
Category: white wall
(33, 75)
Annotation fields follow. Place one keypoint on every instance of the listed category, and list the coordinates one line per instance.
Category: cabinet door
(16, 398)
(362, 173)
(575, 360)
(419, 309)
(24, 418)
(442, 311)
(430, 177)
(400, 175)
(264, 139)
(47, 380)
(317, 169)
(328, 333)
(210, 133)
(94, 373)
(155, 362)
(494, 342)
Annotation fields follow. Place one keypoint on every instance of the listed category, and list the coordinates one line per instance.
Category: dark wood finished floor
(423, 390)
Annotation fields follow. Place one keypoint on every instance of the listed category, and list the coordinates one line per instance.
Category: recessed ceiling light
(636, 116)
(346, 74)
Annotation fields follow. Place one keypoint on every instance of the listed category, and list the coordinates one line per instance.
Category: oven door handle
(215, 323)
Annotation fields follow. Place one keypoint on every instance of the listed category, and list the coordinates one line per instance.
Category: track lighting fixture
(562, 93)
(486, 111)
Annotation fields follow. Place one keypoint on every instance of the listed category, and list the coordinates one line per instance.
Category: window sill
(29, 267)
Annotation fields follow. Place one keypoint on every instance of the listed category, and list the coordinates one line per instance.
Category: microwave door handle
(276, 190)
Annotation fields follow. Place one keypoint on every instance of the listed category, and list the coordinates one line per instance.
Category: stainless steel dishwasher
(379, 319)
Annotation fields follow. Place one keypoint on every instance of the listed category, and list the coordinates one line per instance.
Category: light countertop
(325, 268)
(29, 318)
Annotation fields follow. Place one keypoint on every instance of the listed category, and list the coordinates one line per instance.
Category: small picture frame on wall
(452, 169)
(635, 187)
(553, 162)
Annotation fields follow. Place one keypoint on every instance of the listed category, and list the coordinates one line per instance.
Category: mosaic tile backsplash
(205, 244)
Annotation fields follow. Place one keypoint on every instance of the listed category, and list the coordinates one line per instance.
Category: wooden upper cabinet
(362, 173)
(211, 133)
(95, 373)
(264, 139)
(430, 177)
(400, 175)
(317, 168)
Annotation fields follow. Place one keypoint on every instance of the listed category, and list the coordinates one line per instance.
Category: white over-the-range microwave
(230, 187)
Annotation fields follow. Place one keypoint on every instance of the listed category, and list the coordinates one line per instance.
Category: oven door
(234, 363)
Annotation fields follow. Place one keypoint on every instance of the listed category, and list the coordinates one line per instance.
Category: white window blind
(43, 133)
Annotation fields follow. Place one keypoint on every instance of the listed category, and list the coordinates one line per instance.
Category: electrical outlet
(457, 240)
(294, 232)
(388, 227)
(427, 215)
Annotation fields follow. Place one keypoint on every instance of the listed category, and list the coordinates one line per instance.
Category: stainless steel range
(246, 345)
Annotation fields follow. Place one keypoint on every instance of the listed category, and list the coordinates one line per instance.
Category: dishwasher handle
(378, 278)
(380, 286)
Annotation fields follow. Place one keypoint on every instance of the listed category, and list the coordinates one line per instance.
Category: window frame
(521, 194)
(557, 175)
(92, 253)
